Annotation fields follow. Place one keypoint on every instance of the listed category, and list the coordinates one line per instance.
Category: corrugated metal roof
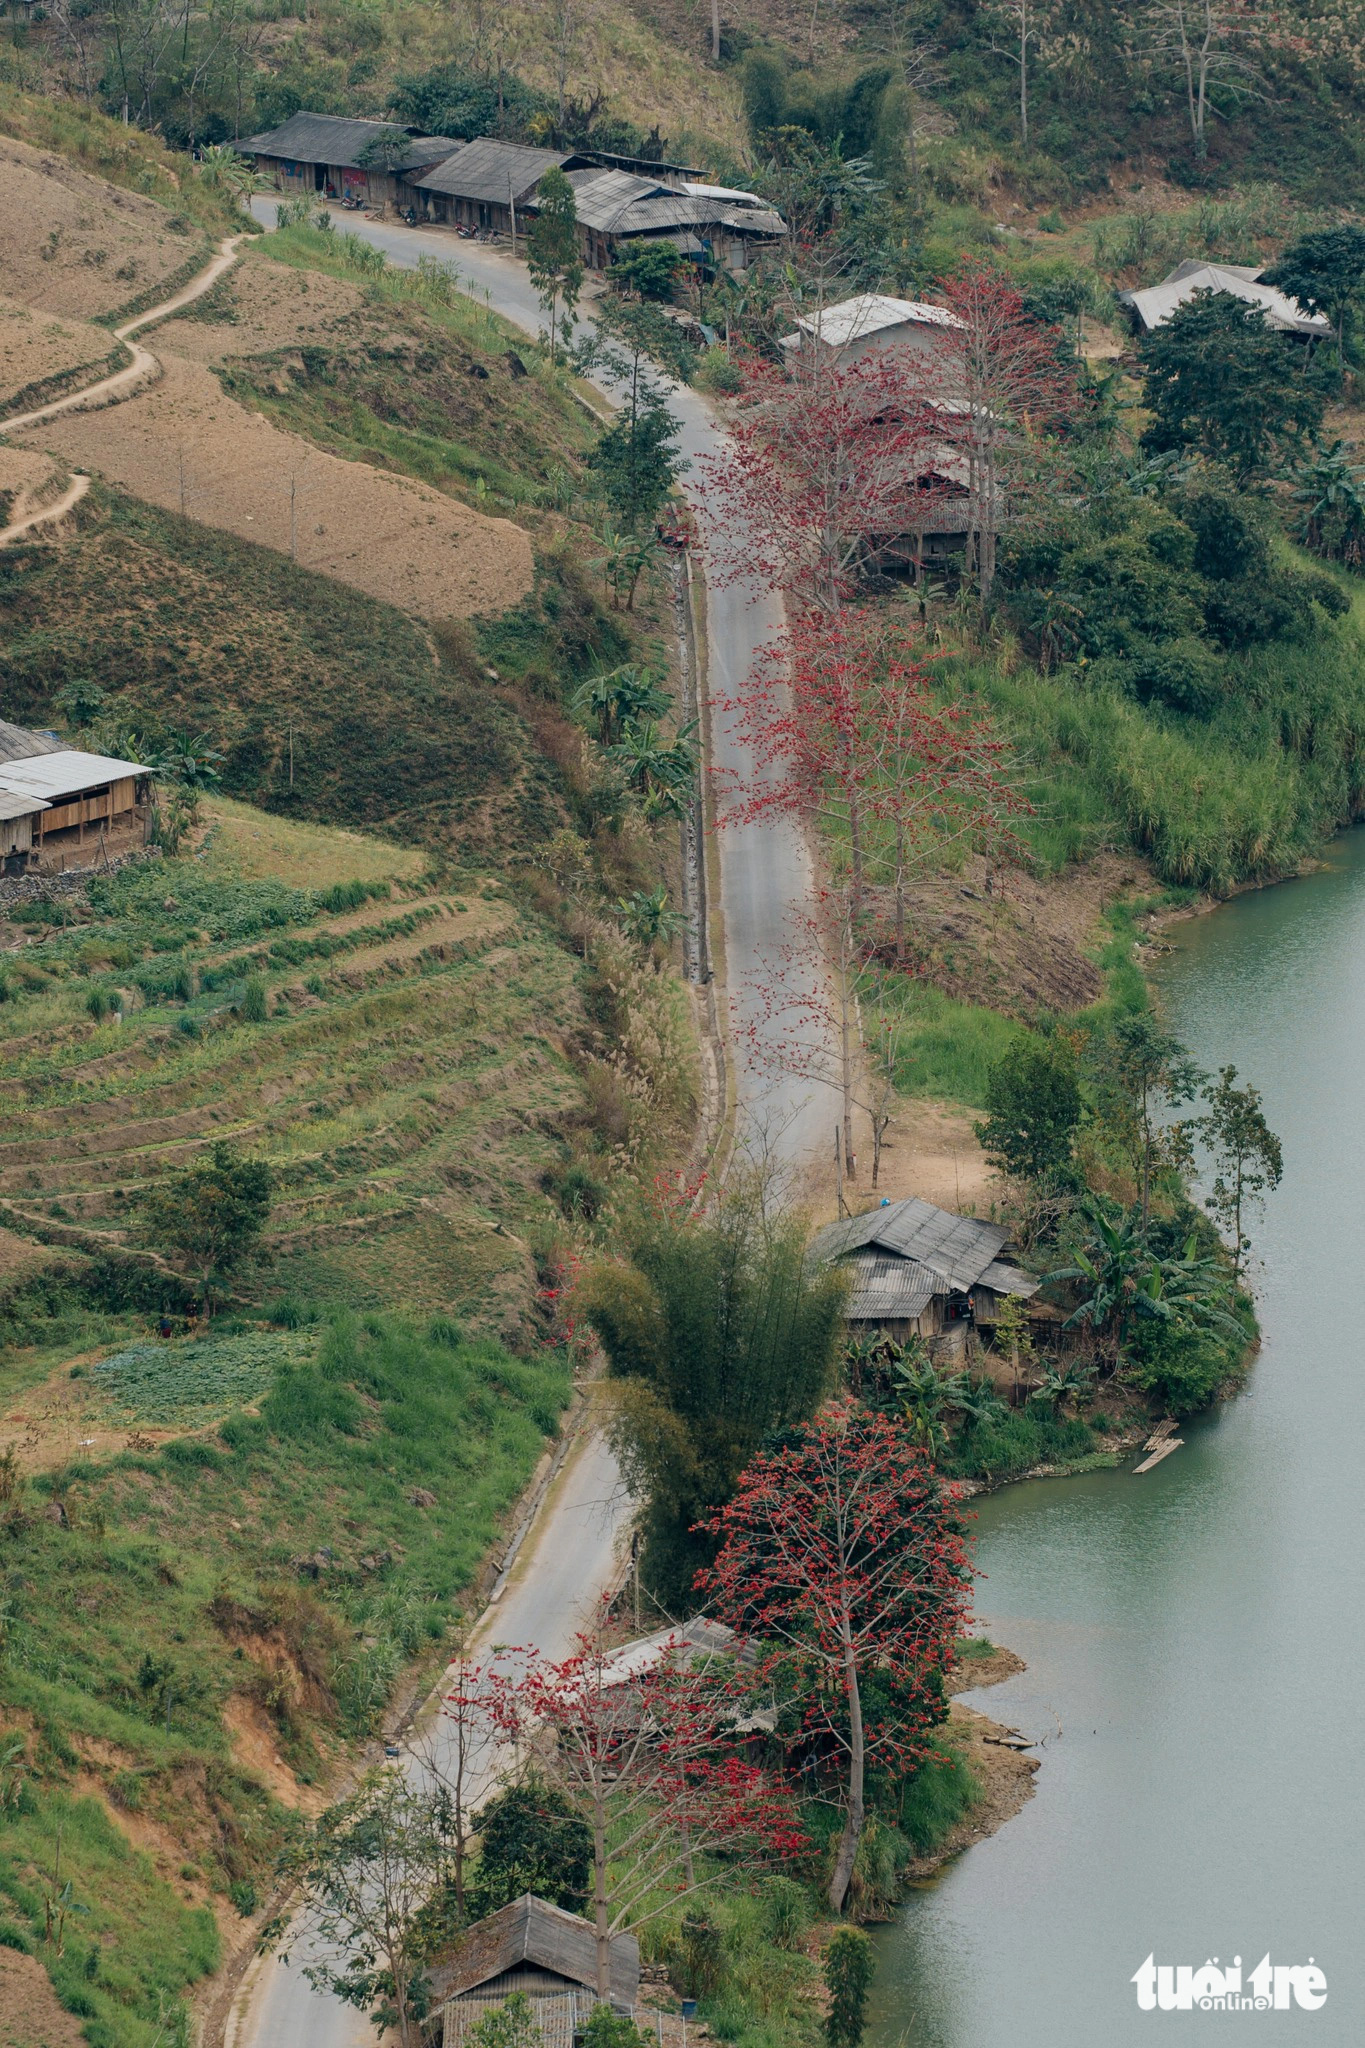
(601, 197)
(332, 139)
(1155, 306)
(885, 1286)
(530, 1930)
(1005, 1279)
(12, 806)
(486, 170)
(19, 743)
(868, 313)
(65, 773)
(955, 1249)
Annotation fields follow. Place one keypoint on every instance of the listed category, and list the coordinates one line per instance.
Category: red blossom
(845, 1554)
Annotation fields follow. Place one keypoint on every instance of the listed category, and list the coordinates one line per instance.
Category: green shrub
(786, 1910)
(718, 373)
(848, 1973)
(1182, 1369)
(254, 1007)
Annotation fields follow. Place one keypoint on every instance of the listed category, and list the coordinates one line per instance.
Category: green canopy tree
(1325, 272)
(719, 1333)
(213, 1214)
(1247, 1157)
(1033, 1105)
(1218, 382)
(552, 253)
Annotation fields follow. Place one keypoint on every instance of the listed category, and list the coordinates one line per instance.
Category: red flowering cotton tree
(643, 1758)
(1005, 380)
(825, 462)
(845, 1552)
(842, 726)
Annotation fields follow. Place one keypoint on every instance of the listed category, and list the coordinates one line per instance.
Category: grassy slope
(169, 1609)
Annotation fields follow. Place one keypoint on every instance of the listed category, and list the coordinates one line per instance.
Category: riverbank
(989, 1749)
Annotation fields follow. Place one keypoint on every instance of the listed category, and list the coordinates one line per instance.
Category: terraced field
(396, 1049)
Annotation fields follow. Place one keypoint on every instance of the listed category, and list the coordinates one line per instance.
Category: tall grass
(1243, 796)
(946, 1048)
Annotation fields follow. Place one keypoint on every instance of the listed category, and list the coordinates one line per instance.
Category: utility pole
(182, 483)
(512, 209)
(635, 1568)
(293, 523)
(291, 753)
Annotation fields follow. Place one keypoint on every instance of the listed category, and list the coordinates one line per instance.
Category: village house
(485, 185)
(870, 323)
(1154, 306)
(716, 226)
(62, 809)
(918, 1270)
(944, 502)
(538, 1949)
(324, 154)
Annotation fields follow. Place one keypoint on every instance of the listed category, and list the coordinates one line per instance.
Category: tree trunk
(599, 1868)
(846, 1078)
(1023, 72)
(900, 892)
(853, 1819)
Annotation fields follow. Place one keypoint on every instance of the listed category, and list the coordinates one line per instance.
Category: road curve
(144, 365)
(766, 880)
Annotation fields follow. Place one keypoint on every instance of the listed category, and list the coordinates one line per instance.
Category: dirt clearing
(261, 306)
(1021, 945)
(35, 346)
(73, 244)
(30, 2016)
(185, 445)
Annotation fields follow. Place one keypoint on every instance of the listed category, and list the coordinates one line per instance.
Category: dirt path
(47, 514)
(144, 367)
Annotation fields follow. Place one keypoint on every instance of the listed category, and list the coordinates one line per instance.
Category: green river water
(1193, 1638)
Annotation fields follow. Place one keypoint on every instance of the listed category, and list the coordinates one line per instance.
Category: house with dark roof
(717, 226)
(486, 184)
(538, 1949)
(918, 1270)
(61, 808)
(328, 155)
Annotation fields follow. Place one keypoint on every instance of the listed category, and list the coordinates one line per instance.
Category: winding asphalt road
(766, 878)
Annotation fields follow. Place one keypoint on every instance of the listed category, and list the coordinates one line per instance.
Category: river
(1193, 1638)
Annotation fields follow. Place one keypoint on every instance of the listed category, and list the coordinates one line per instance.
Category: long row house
(491, 187)
(62, 808)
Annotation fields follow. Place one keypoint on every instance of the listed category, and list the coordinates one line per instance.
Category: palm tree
(618, 697)
(227, 171)
(1333, 495)
(659, 769)
(648, 919)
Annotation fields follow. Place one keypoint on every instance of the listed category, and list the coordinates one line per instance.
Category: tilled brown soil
(30, 2016)
(72, 244)
(35, 346)
(184, 444)
(261, 306)
(1013, 942)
